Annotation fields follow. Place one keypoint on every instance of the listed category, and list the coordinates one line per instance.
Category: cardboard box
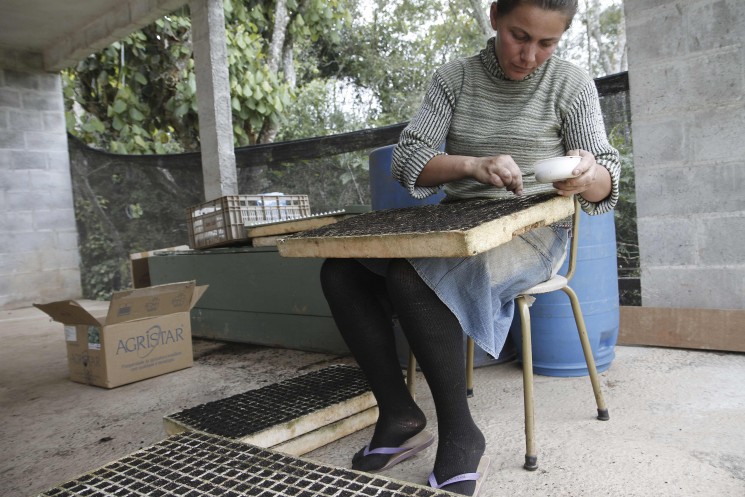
(146, 332)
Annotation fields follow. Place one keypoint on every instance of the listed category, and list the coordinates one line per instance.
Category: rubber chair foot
(531, 463)
(469, 392)
(603, 415)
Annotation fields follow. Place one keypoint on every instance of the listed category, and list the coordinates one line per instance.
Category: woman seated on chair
(498, 112)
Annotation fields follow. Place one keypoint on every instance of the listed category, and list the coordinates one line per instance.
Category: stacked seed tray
(294, 416)
(456, 229)
(267, 234)
(197, 464)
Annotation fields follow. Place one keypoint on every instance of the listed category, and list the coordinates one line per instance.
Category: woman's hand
(498, 170)
(591, 180)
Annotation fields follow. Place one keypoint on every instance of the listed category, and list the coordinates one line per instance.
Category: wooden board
(330, 433)
(458, 229)
(293, 225)
(309, 432)
(706, 329)
(138, 264)
(296, 415)
(265, 241)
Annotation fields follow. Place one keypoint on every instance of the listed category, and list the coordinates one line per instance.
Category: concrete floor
(677, 423)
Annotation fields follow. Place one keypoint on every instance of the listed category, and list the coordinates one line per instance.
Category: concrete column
(213, 96)
(39, 259)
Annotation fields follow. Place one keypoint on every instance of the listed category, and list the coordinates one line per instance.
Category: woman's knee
(402, 279)
(333, 271)
(347, 274)
(328, 268)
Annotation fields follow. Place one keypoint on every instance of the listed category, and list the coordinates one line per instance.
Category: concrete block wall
(39, 259)
(687, 80)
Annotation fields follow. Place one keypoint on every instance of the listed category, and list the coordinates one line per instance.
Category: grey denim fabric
(480, 290)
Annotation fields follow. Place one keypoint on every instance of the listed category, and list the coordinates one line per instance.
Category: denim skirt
(480, 290)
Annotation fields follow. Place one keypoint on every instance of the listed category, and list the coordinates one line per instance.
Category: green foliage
(393, 53)
(596, 40)
(99, 279)
(257, 94)
(625, 217)
(135, 96)
(139, 95)
(627, 241)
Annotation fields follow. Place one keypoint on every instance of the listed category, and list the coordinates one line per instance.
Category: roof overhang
(51, 35)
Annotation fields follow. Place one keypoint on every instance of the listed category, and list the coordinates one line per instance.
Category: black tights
(357, 298)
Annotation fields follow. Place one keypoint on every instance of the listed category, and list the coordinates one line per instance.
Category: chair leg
(531, 459)
(411, 374)
(587, 349)
(470, 348)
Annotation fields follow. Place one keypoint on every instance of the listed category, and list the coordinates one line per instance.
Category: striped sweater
(477, 111)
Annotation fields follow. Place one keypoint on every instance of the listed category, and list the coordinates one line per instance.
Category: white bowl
(556, 169)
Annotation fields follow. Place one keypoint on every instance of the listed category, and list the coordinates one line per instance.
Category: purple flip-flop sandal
(479, 476)
(410, 447)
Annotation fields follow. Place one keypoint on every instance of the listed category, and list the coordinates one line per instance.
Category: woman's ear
(493, 15)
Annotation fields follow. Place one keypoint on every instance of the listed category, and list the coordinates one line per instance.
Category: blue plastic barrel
(387, 193)
(556, 347)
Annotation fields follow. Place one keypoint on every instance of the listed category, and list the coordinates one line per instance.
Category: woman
(498, 113)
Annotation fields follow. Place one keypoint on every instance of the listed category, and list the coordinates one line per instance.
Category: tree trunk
(281, 20)
(482, 18)
(268, 132)
(277, 59)
(621, 50)
(604, 59)
(288, 64)
(588, 21)
(610, 55)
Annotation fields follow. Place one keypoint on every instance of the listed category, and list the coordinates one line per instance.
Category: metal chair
(523, 302)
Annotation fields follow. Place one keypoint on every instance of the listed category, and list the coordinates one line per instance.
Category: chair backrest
(575, 239)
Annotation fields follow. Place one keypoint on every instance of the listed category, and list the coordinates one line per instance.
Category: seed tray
(272, 415)
(197, 464)
(454, 229)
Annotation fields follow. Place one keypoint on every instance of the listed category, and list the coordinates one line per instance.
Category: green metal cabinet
(254, 296)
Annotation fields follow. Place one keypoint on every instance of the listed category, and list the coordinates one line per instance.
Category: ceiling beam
(114, 25)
